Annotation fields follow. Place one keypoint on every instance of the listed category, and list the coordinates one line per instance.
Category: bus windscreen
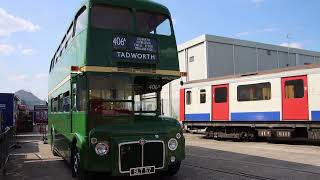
(106, 17)
(111, 18)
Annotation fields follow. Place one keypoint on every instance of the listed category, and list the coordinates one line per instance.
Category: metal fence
(7, 141)
(43, 130)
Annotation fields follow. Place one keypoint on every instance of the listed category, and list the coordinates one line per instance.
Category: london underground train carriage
(282, 103)
(104, 90)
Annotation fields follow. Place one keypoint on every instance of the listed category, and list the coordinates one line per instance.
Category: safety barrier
(7, 141)
(43, 130)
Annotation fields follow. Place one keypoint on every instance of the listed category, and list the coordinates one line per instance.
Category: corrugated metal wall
(227, 59)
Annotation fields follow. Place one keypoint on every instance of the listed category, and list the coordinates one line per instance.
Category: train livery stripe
(315, 115)
(255, 116)
(198, 117)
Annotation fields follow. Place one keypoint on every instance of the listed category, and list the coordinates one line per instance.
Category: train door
(295, 98)
(182, 104)
(220, 102)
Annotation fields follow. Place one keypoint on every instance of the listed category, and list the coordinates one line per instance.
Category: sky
(30, 31)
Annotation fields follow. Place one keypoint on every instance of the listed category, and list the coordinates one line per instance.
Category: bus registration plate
(142, 171)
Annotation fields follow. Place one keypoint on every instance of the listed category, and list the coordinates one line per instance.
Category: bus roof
(136, 4)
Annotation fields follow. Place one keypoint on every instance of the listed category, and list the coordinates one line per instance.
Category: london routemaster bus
(104, 91)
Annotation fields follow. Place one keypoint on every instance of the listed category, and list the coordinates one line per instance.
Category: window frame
(80, 12)
(203, 92)
(168, 17)
(188, 97)
(294, 80)
(191, 58)
(226, 95)
(131, 11)
(247, 86)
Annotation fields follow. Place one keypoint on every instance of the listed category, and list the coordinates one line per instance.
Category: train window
(254, 92)
(294, 89)
(202, 96)
(188, 98)
(221, 95)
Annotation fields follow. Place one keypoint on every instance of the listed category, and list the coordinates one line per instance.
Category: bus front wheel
(77, 171)
(173, 169)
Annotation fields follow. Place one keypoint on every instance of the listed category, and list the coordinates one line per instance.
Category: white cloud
(41, 75)
(28, 52)
(10, 24)
(242, 34)
(292, 45)
(6, 49)
(19, 77)
(269, 29)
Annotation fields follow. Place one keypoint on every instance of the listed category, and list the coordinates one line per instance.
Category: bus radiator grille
(131, 155)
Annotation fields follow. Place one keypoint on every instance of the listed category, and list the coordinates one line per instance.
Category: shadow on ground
(201, 164)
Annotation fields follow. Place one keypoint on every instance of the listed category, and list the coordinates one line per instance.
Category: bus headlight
(102, 149)
(172, 144)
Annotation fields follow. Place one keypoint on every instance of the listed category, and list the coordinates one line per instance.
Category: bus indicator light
(75, 68)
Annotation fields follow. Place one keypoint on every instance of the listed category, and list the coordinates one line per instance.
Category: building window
(221, 95)
(294, 89)
(269, 53)
(188, 98)
(202, 96)
(254, 92)
(191, 59)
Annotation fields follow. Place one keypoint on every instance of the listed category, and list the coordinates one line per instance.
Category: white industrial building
(211, 56)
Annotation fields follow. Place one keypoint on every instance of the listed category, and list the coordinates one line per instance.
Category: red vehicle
(24, 122)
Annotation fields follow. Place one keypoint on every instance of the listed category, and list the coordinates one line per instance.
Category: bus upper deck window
(153, 23)
(111, 18)
(81, 21)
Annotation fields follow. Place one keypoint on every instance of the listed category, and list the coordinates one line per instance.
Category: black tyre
(173, 169)
(77, 170)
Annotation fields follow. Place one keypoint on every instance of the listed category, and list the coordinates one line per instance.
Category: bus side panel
(182, 105)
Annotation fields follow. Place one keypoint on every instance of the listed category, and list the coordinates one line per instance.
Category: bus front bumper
(129, 157)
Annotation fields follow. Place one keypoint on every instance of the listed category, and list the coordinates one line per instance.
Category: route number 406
(119, 41)
(154, 87)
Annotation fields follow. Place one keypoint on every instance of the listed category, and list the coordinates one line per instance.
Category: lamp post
(288, 45)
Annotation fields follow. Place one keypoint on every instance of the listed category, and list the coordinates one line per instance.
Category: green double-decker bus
(104, 91)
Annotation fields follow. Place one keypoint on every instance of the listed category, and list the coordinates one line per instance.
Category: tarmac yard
(206, 159)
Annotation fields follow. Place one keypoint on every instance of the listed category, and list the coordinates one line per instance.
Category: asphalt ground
(206, 159)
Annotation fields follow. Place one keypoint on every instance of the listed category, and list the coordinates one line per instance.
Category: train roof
(256, 74)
